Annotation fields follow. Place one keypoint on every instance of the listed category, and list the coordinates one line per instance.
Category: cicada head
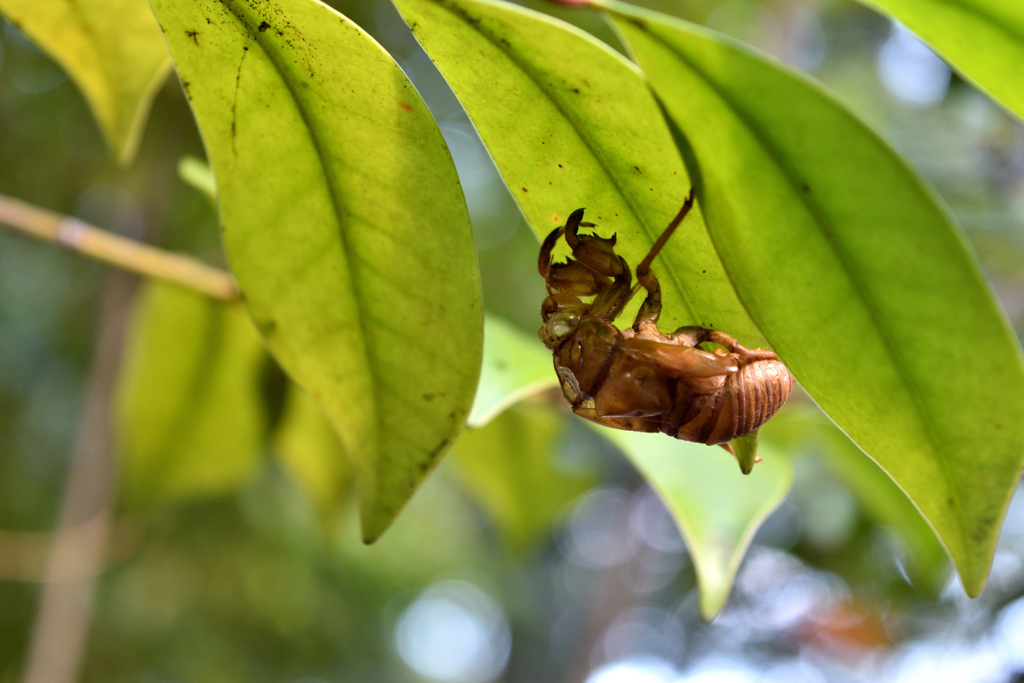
(562, 313)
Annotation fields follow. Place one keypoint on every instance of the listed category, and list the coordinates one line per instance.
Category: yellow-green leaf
(854, 272)
(111, 49)
(571, 124)
(189, 420)
(344, 224)
(982, 39)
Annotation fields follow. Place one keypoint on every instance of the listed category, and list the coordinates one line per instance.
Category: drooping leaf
(880, 498)
(111, 49)
(982, 39)
(718, 509)
(344, 224)
(189, 420)
(311, 453)
(509, 468)
(854, 272)
(514, 367)
(571, 124)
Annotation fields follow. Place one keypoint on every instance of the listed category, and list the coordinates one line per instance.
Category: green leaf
(718, 509)
(345, 225)
(514, 366)
(311, 453)
(189, 421)
(587, 132)
(111, 49)
(855, 274)
(509, 467)
(982, 39)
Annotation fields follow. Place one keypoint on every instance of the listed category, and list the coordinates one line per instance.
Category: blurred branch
(24, 554)
(66, 602)
(119, 251)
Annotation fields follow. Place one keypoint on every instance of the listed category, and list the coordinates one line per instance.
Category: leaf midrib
(336, 203)
(884, 332)
(580, 131)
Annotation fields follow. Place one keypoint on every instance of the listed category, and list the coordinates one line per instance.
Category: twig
(116, 250)
(66, 601)
(24, 554)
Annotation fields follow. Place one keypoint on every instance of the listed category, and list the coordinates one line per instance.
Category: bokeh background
(257, 586)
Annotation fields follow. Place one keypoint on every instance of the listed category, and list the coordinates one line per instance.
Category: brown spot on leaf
(405, 105)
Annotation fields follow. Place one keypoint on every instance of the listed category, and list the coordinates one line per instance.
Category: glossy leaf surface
(718, 508)
(509, 468)
(982, 39)
(515, 366)
(855, 274)
(189, 419)
(111, 49)
(345, 225)
(571, 124)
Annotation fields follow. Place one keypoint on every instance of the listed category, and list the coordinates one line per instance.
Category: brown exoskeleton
(639, 379)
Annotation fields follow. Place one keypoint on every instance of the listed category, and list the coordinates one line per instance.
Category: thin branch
(66, 602)
(116, 250)
(24, 554)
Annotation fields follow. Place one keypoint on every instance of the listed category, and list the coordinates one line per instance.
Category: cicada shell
(639, 379)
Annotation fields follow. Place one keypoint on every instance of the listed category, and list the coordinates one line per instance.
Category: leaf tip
(373, 525)
(973, 580)
(712, 602)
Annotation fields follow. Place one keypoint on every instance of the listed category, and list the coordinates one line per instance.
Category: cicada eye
(559, 326)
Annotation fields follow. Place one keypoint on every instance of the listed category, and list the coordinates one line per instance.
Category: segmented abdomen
(750, 396)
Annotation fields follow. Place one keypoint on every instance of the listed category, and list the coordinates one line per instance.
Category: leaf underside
(344, 224)
(855, 274)
(571, 124)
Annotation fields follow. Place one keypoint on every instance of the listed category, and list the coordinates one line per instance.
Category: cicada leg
(650, 310)
(734, 346)
(609, 271)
